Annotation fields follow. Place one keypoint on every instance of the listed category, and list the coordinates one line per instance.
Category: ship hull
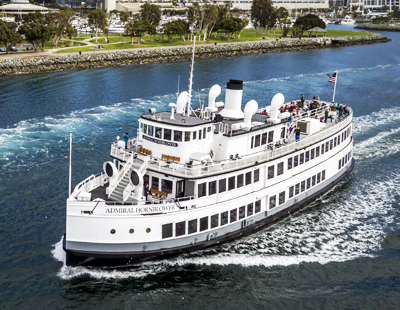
(83, 258)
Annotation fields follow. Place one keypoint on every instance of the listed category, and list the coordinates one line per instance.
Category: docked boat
(196, 178)
(348, 21)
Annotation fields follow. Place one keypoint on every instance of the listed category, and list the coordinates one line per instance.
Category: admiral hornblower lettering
(160, 141)
(141, 209)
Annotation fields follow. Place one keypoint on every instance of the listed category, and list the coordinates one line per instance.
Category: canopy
(316, 30)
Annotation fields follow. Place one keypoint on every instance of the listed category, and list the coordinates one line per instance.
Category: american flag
(332, 78)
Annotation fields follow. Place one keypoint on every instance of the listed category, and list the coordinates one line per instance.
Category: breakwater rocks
(378, 27)
(45, 64)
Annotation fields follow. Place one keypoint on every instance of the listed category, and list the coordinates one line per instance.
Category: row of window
(266, 137)
(228, 184)
(296, 189)
(214, 221)
(166, 185)
(309, 155)
(345, 159)
(175, 135)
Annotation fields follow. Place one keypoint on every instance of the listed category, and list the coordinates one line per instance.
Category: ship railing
(269, 152)
(90, 183)
(120, 152)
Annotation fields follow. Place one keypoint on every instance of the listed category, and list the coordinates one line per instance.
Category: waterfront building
(22, 8)
(289, 5)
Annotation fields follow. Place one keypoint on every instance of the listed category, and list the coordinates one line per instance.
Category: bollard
(80, 53)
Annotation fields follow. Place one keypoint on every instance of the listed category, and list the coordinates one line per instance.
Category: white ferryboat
(215, 175)
(348, 21)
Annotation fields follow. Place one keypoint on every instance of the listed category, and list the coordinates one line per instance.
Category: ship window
(214, 221)
(313, 180)
(212, 188)
(342, 136)
(180, 229)
(167, 134)
(343, 162)
(201, 190)
(322, 148)
(318, 177)
(331, 144)
(252, 142)
(242, 212)
(233, 215)
(264, 138)
(192, 226)
(145, 131)
(327, 146)
(301, 158)
(224, 218)
(257, 206)
(204, 223)
(345, 159)
(297, 189)
(187, 136)
(272, 202)
(154, 183)
(345, 135)
(338, 139)
(271, 172)
(303, 186)
(222, 185)
(317, 151)
(194, 135)
(209, 129)
(150, 131)
(239, 180)
(256, 175)
(281, 198)
(296, 161)
(158, 132)
(257, 140)
(283, 133)
(323, 175)
(291, 189)
(167, 230)
(248, 178)
(308, 183)
(334, 142)
(204, 132)
(231, 183)
(166, 186)
(250, 209)
(289, 163)
(312, 153)
(200, 134)
(270, 137)
(280, 169)
(307, 156)
(177, 135)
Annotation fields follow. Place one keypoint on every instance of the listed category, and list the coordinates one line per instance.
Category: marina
(340, 252)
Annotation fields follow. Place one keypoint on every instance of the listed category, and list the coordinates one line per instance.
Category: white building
(288, 4)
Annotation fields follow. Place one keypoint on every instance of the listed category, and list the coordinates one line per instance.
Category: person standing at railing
(297, 134)
(126, 139)
(146, 190)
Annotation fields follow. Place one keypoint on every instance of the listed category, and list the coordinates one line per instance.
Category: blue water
(342, 252)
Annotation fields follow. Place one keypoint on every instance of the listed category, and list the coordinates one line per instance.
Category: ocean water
(342, 252)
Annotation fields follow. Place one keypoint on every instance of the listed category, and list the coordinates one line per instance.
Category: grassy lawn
(116, 41)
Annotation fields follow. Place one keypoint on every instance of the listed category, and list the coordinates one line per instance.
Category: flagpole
(334, 89)
(70, 162)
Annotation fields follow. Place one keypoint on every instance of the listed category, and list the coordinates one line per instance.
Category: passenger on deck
(146, 190)
(126, 139)
(297, 134)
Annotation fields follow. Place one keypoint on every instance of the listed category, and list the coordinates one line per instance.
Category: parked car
(2, 50)
(13, 49)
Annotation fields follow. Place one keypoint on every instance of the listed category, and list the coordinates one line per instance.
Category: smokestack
(233, 100)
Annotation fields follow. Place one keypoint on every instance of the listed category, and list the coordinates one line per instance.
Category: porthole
(112, 231)
(131, 231)
(148, 230)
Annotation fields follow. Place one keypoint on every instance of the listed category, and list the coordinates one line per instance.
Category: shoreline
(26, 64)
(378, 27)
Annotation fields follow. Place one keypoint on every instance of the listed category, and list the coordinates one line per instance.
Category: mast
(334, 89)
(191, 78)
(70, 161)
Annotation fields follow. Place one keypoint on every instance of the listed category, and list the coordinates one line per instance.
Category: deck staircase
(118, 193)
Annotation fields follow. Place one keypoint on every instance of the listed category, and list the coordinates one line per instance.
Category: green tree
(9, 35)
(97, 20)
(35, 30)
(262, 12)
(61, 23)
(310, 21)
(150, 13)
(230, 26)
(124, 16)
(139, 28)
(174, 28)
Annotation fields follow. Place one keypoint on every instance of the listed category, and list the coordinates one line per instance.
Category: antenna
(177, 93)
(191, 78)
